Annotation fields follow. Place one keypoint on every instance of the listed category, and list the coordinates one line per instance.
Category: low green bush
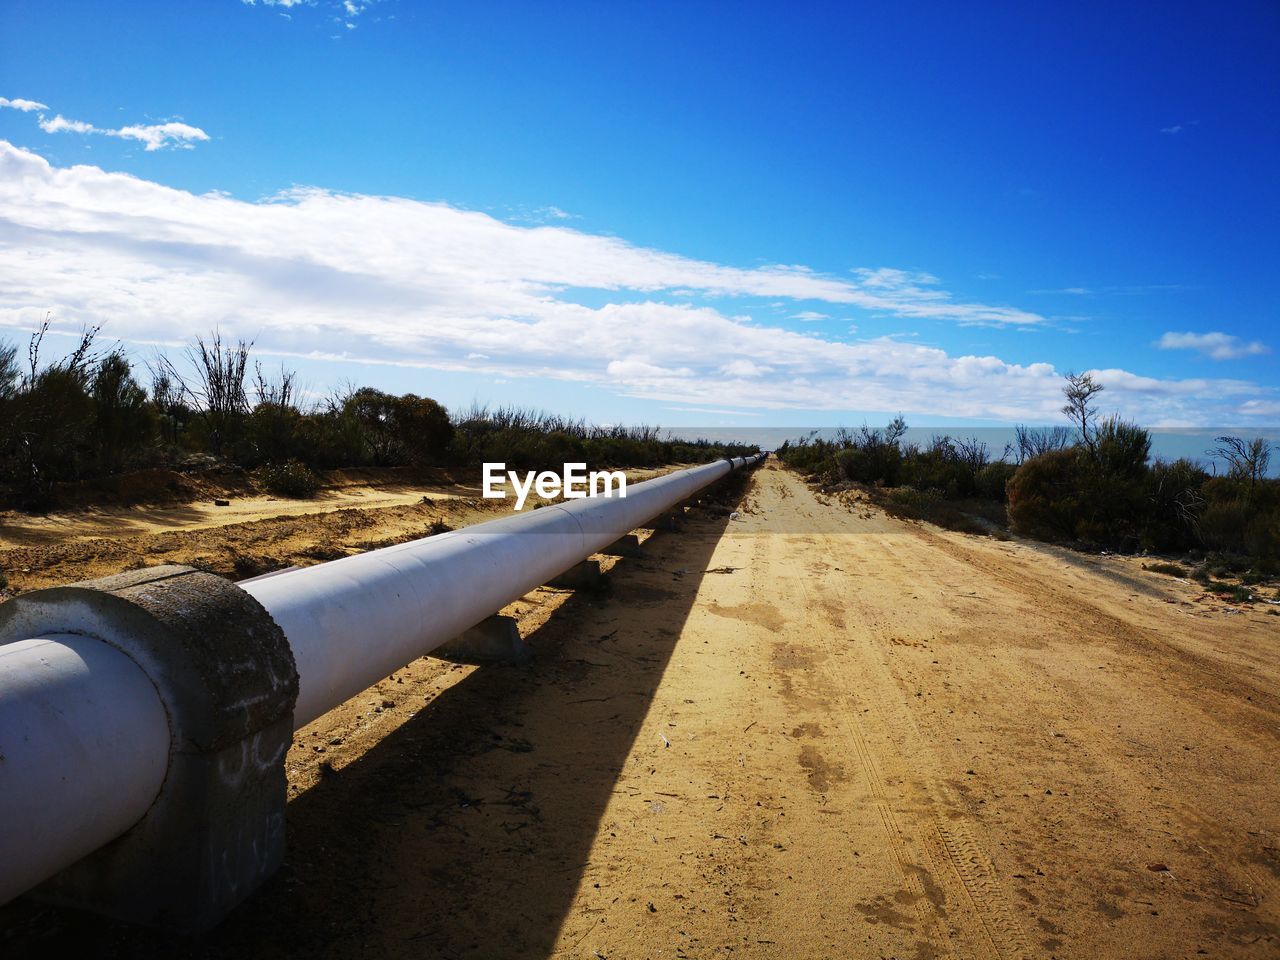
(1044, 496)
(993, 480)
(1232, 591)
(289, 479)
(1170, 569)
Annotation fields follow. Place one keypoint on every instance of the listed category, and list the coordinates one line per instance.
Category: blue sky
(747, 214)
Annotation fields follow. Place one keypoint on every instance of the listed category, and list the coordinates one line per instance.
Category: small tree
(122, 422)
(1080, 390)
(375, 412)
(218, 393)
(423, 428)
(10, 376)
(48, 417)
(279, 391)
(1030, 442)
(1247, 460)
(9, 372)
(272, 426)
(169, 400)
(973, 454)
(1122, 448)
(400, 428)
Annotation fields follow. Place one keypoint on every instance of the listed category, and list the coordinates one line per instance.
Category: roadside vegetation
(94, 414)
(1092, 485)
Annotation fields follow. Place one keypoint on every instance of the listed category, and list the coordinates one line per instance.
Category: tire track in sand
(961, 904)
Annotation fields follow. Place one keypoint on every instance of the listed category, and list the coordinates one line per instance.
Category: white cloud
(386, 280)
(1260, 408)
(810, 316)
(546, 214)
(743, 367)
(1069, 291)
(916, 295)
(155, 136)
(1214, 345)
(352, 9)
(345, 11)
(60, 124)
(26, 106)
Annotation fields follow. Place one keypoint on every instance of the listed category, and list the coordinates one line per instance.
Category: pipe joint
(226, 678)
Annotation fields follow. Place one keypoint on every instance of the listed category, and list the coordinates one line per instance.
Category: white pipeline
(84, 747)
(84, 736)
(353, 621)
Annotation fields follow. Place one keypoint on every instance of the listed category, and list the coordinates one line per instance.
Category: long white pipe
(84, 736)
(353, 621)
(84, 747)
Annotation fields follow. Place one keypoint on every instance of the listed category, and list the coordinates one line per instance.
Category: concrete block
(226, 676)
(627, 545)
(585, 575)
(495, 639)
(669, 520)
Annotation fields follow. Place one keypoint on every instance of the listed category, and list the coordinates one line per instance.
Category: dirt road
(808, 731)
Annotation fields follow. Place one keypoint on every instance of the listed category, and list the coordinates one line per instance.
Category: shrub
(1171, 569)
(872, 461)
(809, 455)
(1121, 449)
(331, 439)
(271, 433)
(1044, 495)
(875, 465)
(407, 429)
(1112, 505)
(930, 505)
(937, 467)
(1231, 591)
(1098, 493)
(1223, 524)
(289, 479)
(1174, 503)
(423, 428)
(46, 427)
(920, 501)
(1262, 540)
(993, 480)
(81, 417)
(217, 390)
(124, 425)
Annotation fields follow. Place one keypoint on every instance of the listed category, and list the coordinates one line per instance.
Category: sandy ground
(807, 731)
(17, 529)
